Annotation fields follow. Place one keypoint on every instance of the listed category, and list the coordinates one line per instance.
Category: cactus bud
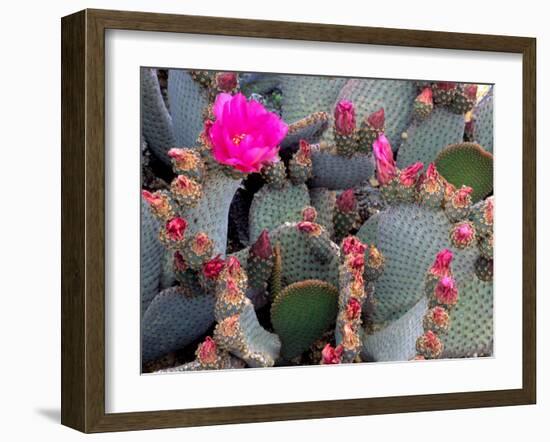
(351, 245)
(344, 117)
(179, 262)
(436, 319)
(423, 104)
(207, 352)
(187, 162)
(175, 229)
(385, 164)
(331, 355)
(309, 214)
(233, 266)
(226, 81)
(309, 227)
(442, 264)
(211, 269)
(446, 292)
(353, 309)
(377, 119)
(462, 234)
(159, 203)
(429, 345)
(346, 201)
(470, 91)
(186, 191)
(262, 247)
(357, 262)
(409, 175)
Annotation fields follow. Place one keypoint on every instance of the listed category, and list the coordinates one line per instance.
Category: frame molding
(83, 217)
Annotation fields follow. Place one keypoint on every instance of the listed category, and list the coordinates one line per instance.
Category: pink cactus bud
(431, 343)
(463, 234)
(184, 159)
(489, 209)
(442, 264)
(154, 199)
(385, 164)
(158, 202)
(305, 149)
(409, 175)
(179, 263)
(351, 245)
(377, 119)
(425, 96)
(432, 173)
(462, 197)
(440, 317)
(446, 85)
(226, 81)
(184, 183)
(309, 214)
(331, 355)
(262, 247)
(207, 351)
(175, 228)
(308, 227)
(344, 117)
(346, 201)
(211, 269)
(470, 91)
(350, 340)
(357, 262)
(201, 243)
(353, 309)
(446, 291)
(233, 266)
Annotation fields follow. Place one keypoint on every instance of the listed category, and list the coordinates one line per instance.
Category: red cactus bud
(385, 164)
(309, 214)
(357, 262)
(179, 263)
(346, 201)
(425, 96)
(409, 175)
(446, 291)
(183, 182)
(377, 119)
(351, 244)
(431, 342)
(233, 266)
(175, 228)
(200, 243)
(308, 227)
(353, 309)
(331, 355)
(463, 234)
(432, 173)
(305, 149)
(207, 351)
(446, 85)
(470, 91)
(440, 316)
(211, 269)
(226, 81)
(462, 197)
(442, 264)
(262, 247)
(344, 117)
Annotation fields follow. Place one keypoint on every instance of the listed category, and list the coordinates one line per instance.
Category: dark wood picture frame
(83, 220)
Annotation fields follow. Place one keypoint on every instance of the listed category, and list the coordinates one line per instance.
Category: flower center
(238, 138)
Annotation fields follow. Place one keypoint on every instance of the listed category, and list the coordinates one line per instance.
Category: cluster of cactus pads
(300, 220)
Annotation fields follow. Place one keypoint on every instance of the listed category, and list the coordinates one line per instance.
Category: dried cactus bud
(375, 264)
(353, 309)
(442, 264)
(429, 345)
(172, 235)
(309, 214)
(482, 216)
(462, 234)
(179, 263)
(436, 319)
(300, 166)
(371, 128)
(207, 353)
(356, 263)
(186, 191)
(350, 340)
(226, 81)
(310, 228)
(431, 189)
(197, 250)
(159, 202)
(187, 162)
(446, 292)
(423, 104)
(331, 355)
(409, 176)
(344, 117)
(352, 245)
(470, 90)
(385, 164)
(211, 269)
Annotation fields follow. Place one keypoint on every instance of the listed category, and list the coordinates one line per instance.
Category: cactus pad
(301, 313)
(336, 172)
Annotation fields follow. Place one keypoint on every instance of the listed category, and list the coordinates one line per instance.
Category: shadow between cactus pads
(467, 164)
(301, 313)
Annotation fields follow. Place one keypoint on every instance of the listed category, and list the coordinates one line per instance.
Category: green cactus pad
(467, 164)
(187, 103)
(409, 236)
(336, 172)
(427, 138)
(299, 262)
(483, 121)
(174, 319)
(471, 330)
(395, 96)
(272, 207)
(301, 313)
(156, 122)
(304, 95)
(152, 253)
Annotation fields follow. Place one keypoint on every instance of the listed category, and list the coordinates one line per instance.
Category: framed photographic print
(267, 220)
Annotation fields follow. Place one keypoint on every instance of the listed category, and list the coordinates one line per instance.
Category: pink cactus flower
(446, 291)
(353, 309)
(175, 228)
(470, 91)
(331, 355)
(344, 117)
(262, 247)
(207, 351)
(346, 201)
(309, 214)
(409, 175)
(211, 269)
(377, 119)
(442, 264)
(351, 244)
(385, 164)
(245, 135)
(226, 81)
(425, 96)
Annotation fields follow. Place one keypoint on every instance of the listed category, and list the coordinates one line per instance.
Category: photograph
(298, 220)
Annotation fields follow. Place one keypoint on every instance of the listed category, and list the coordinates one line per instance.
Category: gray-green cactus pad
(324, 201)
(410, 236)
(339, 173)
(156, 122)
(152, 252)
(187, 103)
(271, 207)
(427, 138)
(174, 319)
(483, 122)
(298, 261)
